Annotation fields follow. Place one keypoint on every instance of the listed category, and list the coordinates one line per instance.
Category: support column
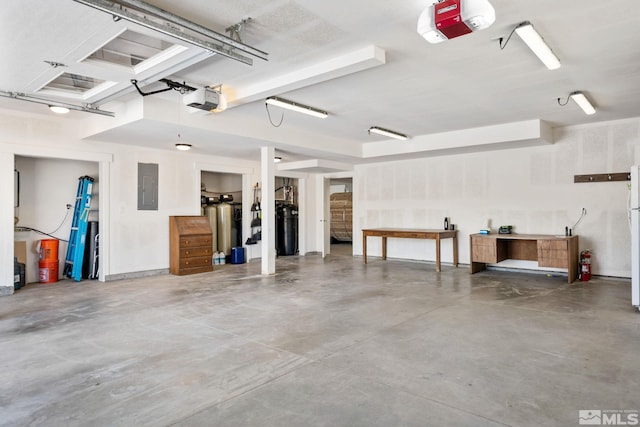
(268, 205)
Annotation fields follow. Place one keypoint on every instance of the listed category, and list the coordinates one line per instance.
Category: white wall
(529, 188)
(223, 183)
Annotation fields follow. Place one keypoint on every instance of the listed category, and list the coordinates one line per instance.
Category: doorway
(341, 216)
(221, 202)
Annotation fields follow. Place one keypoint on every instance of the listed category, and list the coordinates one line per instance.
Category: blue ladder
(75, 248)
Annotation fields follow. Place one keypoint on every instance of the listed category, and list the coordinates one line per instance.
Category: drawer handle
(187, 252)
(187, 263)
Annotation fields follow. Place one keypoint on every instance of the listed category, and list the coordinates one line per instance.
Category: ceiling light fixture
(536, 43)
(277, 159)
(387, 132)
(48, 102)
(581, 99)
(294, 106)
(58, 109)
(182, 146)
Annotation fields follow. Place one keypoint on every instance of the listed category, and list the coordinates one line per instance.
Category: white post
(268, 206)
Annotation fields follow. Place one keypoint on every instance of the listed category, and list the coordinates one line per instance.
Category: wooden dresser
(190, 244)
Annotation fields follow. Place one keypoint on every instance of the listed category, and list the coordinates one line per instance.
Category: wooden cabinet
(190, 244)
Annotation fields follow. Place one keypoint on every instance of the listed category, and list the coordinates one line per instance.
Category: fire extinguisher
(585, 265)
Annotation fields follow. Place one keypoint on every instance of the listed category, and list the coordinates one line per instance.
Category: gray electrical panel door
(147, 186)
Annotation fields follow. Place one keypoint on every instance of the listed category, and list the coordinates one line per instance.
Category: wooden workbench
(411, 233)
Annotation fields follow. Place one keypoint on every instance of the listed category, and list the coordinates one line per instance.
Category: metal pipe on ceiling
(146, 7)
(220, 45)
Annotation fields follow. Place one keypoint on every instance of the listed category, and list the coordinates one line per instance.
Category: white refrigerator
(634, 215)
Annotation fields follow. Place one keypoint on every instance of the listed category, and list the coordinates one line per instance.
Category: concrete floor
(322, 343)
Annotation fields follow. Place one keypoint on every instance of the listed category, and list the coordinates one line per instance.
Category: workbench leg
(364, 248)
(455, 251)
(438, 254)
(384, 248)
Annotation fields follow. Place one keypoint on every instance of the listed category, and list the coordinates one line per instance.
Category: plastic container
(48, 271)
(237, 255)
(48, 250)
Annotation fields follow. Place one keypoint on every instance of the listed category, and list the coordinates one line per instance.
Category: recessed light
(58, 109)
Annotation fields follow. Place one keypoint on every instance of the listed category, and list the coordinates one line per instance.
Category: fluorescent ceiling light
(294, 106)
(583, 102)
(58, 109)
(536, 43)
(183, 146)
(387, 132)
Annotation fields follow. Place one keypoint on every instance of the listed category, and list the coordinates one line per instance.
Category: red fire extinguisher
(585, 265)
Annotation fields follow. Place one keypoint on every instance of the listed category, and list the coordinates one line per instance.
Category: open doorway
(44, 212)
(341, 216)
(221, 203)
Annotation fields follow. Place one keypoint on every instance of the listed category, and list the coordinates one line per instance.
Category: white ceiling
(417, 88)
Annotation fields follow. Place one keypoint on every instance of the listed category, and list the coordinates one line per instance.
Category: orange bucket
(48, 271)
(48, 250)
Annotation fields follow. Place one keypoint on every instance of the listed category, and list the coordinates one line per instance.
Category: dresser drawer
(196, 252)
(194, 270)
(195, 241)
(195, 262)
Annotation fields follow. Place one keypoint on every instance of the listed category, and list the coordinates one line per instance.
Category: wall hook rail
(602, 177)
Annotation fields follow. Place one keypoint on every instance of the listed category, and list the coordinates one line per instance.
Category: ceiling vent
(448, 19)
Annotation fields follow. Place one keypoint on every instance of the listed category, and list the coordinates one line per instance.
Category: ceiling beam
(348, 63)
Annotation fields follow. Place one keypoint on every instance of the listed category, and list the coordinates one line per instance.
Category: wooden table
(411, 233)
